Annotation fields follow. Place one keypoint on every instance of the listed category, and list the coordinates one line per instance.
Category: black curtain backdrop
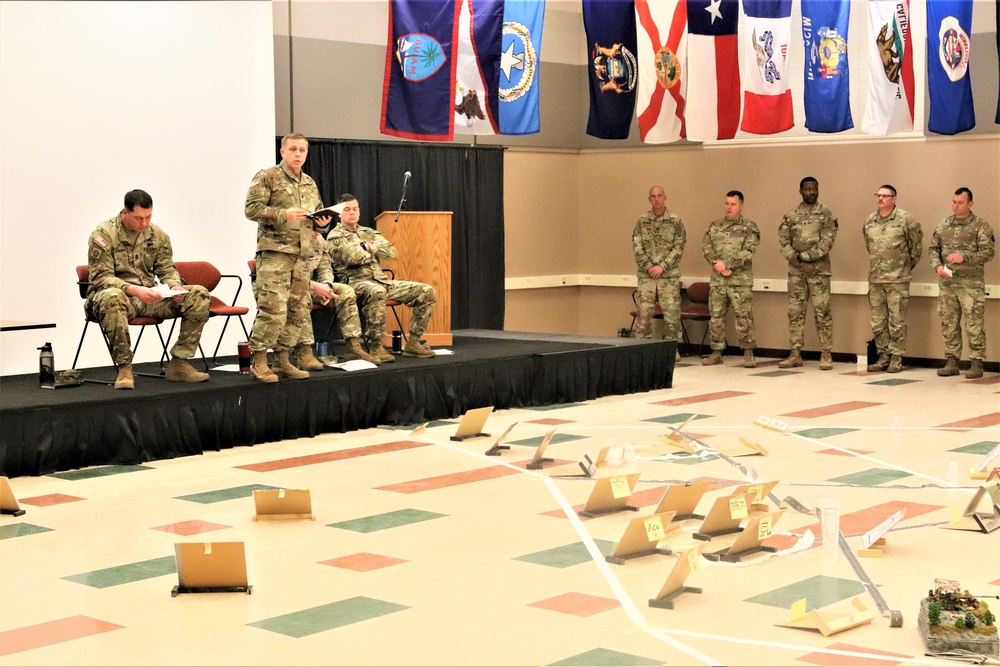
(467, 180)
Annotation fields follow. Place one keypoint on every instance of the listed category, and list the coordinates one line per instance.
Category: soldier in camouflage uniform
(658, 242)
(126, 256)
(356, 253)
(729, 245)
(894, 241)
(279, 199)
(806, 235)
(962, 244)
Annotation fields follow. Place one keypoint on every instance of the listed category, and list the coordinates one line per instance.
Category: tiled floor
(424, 551)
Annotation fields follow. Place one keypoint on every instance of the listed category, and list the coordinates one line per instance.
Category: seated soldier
(127, 255)
(356, 253)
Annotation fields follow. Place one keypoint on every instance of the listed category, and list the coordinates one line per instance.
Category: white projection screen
(98, 98)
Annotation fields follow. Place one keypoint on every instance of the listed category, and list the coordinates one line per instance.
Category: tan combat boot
(748, 359)
(713, 359)
(414, 348)
(826, 361)
(794, 360)
(382, 354)
(180, 370)
(259, 368)
(950, 367)
(355, 351)
(125, 379)
(307, 361)
(975, 370)
(895, 364)
(880, 364)
(286, 367)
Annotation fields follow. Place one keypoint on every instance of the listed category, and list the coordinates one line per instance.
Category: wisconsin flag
(520, 55)
(418, 88)
(827, 75)
(890, 64)
(477, 101)
(767, 101)
(713, 75)
(660, 38)
(614, 71)
(949, 24)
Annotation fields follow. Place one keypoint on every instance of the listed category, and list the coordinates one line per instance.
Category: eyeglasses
(881, 196)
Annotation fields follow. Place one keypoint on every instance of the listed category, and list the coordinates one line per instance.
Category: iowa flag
(767, 101)
(949, 24)
(712, 108)
(890, 64)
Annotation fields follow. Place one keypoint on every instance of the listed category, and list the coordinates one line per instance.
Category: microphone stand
(402, 200)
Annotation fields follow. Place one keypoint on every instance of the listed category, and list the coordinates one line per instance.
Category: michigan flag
(477, 72)
(949, 24)
(767, 101)
(661, 30)
(890, 64)
(827, 75)
(712, 108)
(613, 68)
(520, 55)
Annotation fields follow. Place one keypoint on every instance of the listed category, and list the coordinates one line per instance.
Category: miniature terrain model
(951, 619)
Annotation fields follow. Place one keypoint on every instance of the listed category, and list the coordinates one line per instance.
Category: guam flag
(827, 76)
(767, 100)
(520, 55)
(477, 104)
(713, 77)
(613, 68)
(418, 90)
(949, 24)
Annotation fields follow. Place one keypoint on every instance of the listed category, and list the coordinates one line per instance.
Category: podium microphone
(406, 180)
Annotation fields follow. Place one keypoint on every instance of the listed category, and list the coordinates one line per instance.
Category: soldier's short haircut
(889, 188)
(807, 179)
(965, 191)
(735, 193)
(294, 136)
(347, 196)
(138, 198)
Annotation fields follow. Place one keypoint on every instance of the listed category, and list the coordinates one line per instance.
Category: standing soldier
(658, 243)
(806, 235)
(962, 244)
(894, 241)
(279, 200)
(729, 245)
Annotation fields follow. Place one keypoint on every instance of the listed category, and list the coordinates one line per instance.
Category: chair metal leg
(79, 347)
(399, 323)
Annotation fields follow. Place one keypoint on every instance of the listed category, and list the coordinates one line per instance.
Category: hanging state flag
(661, 28)
(949, 23)
(767, 101)
(614, 71)
(827, 75)
(713, 75)
(418, 88)
(890, 64)
(997, 14)
(520, 55)
(477, 101)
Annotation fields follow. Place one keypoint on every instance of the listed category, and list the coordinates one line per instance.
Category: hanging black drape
(467, 180)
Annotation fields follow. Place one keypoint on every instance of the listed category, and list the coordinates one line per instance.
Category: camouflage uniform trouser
(668, 292)
(888, 303)
(346, 305)
(802, 289)
(957, 299)
(283, 302)
(112, 309)
(741, 298)
(372, 295)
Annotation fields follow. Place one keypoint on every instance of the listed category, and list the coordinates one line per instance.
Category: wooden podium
(423, 254)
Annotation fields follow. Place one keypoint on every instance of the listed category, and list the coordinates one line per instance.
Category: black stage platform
(44, 431)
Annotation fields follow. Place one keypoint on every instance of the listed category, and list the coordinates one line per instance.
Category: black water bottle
(46, 365)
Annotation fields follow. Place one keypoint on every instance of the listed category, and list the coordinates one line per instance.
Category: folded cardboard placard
(498, 445)
(472, 424)
(211, 567)
(538, 459)
(610, 494)
(642, 535)
(282, 504)
(827, 622)
(682, 499)
(673, 587)
(8, 502)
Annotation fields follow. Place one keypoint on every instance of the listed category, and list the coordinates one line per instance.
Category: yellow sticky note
(619, 487)
(694, 560)
(738, 507)
(654, 529)
(764, 528)
(797, 610)
(755, 492)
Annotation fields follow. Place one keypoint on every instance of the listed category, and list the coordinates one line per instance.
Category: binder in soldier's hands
(329, 211)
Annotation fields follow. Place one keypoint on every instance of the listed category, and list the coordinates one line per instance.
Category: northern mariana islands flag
(520, 56)
(827, 75)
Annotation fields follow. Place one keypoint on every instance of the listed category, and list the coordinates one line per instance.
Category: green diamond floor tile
(126, 574)
(556, 439)
(327, 617)
(558, 406)
(892, 382)
(818, 433)
(220, 495)
(20, 530)
(103, 471)
(566, 555)
(981, 448)
(677, 418)
(692, 460)
(870, 477)
(819, 591)
(774, 374)
(600, 657)
(376, 522)
(410, 427)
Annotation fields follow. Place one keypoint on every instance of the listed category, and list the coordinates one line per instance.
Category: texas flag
(767, 101)
(713, 75)
(477, 101)
(660, 37)
(890, 64)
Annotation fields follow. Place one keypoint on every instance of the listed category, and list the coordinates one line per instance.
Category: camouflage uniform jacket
(118, 257)
(734, 242)
(351, 262)
(894, 246)
(272, 191)
(320, 269)
(809, 234)
(659, 239)
(972, 237)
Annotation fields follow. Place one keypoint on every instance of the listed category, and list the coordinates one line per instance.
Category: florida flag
(661, 26)
(890, 64)
(713, 75)
(767, 101)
